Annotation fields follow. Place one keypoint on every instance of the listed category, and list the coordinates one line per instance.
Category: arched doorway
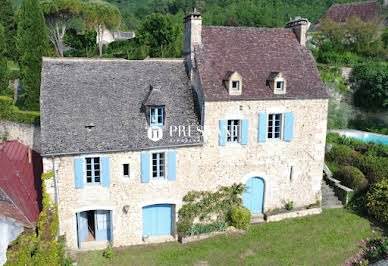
(253, 196)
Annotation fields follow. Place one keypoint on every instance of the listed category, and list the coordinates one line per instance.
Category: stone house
(127, 140)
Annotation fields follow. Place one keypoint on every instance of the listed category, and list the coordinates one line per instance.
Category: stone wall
(24, 133)
(205, 168)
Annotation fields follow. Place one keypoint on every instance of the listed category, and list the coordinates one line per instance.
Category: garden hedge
(352, 177)
(8, 111)
(377, 201)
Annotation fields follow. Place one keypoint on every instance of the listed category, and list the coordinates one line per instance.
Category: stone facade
(27, 134)
(204, 167)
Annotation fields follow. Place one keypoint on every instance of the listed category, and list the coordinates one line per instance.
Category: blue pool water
(369, 138)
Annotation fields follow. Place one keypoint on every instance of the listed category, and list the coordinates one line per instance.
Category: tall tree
(101, 16)
(159, 32)
(32, 43)
(58, 14)
(3, 63)
(7, 19)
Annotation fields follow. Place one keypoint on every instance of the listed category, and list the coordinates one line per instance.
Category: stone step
(329, 197)
(332, 201)
(257, 218)
(328, 193)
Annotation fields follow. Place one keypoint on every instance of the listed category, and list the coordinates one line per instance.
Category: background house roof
(340, 13)
(110, 94)
(254, 53)
(20, 182)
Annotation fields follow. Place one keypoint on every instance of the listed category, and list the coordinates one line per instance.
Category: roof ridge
(110, 59)
(247, 28)
(354, 3)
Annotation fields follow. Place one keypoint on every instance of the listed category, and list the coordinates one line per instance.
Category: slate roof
(109, 94)
(340, 13)
(20, 183)
(254, 53)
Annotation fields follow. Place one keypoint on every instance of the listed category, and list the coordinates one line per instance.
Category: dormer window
(277, 82)
(233, 83)
(157, 116)
(280, 85)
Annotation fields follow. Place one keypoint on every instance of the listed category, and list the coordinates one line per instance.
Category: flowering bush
(373, 250)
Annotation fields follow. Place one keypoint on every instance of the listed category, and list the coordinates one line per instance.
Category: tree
(372, 80)
(7, 19)
(3, 63)
(158, 32)
(58, 14)
(384, 38)
(32, 44)
(101, 16)
(82, 44)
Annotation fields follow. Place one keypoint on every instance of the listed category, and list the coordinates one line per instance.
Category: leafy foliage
(208, 206)
(7, 19)
(240, 217)
(58, 14)
(369, 125)
(352, 177)
(202, 228)
(83, 44)
(10, 112)
(372, 80)
(377, 201)
(374, 250)
(108, 252)
(32, 42)
(343, 155)
(101, 16)
(3, 63)
(289, 205)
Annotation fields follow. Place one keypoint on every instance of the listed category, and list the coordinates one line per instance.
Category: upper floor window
(233, 134)
(126, 170)
(280, 85)
(274, 126)
(156, 116)
(93, 170)
(235, 85)
(158, 169)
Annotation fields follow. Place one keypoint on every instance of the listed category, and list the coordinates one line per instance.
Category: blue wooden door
(253, 196)
(82, 225)
(103, 225)
(157, 220)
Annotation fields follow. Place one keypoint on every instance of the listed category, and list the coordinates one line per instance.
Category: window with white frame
(274, 126)
(93, 170)
(235, 85)
(233, 134)
(158, 165)
(157, 116)
(280, 85)
(126, 170)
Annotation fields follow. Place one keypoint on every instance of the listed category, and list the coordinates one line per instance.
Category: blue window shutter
(79, 172)
(145, 167)
(105, 171)
(171, 165)
(288, 126)
(262, 136)
(244, 132)
(222, 136)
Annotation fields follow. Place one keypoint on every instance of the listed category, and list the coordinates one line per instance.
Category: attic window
(157, 116)
(235, 85)
(280, 85)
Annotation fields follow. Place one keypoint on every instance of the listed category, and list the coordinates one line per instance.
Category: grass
(326, 239)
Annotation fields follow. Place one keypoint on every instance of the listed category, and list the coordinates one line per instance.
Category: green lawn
(326, 239)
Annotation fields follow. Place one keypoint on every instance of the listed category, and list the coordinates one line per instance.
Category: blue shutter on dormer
(222, 133)
(262, 134)
(105, 173)
(288, 126)
(145, 167)
(171, 165)
(78, 172)
(244, 132)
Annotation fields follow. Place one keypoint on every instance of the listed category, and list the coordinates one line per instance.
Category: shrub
(374, 250)
(108, 252)
(240, 217)
(206, 228)
(343, 155)
(333, 138)
(374, 168)
(352, 177)
(289, 205)
(377, 201)
(9, 111)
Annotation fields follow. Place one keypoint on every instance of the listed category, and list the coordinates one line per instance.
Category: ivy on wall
(41, 248)
(205, 206)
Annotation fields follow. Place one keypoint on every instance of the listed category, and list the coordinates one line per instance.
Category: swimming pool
(362, 135)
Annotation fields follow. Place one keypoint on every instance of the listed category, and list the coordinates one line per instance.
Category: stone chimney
(191, 38)
(299, 26)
